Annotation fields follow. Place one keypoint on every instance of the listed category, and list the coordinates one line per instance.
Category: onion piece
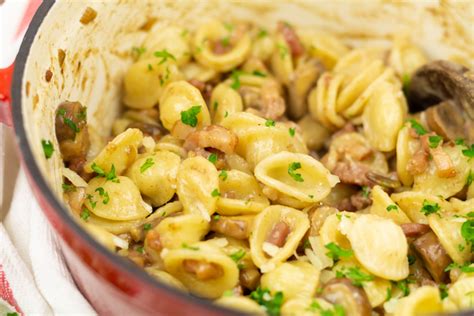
(75, 179)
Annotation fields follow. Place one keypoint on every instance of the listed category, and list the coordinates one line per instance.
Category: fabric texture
(34, 279)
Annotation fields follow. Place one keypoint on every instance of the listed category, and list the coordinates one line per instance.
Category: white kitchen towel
(35, 279)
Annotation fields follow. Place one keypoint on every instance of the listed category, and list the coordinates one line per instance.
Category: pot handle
(6, 75)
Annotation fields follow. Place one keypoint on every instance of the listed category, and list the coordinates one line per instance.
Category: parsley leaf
(389, 294)
(140, 250)
(215, 105)
(403, 286)
(111, 175)
(405, 83)
(223, 175)
(189, 117)
(228, 293)
(419, 129)
(315, 307)
(270, 123)
(235, 76)
(212, 158)
(292, 171)
(68, 187)
(103, 194)
(48, 148)
(85, 214)
(443, 291)
(147, 164)
(357, 277)
(147, 226)
(262, 33)
(411, 259)
(336, 252)
(186, 246)
(271, 303)
(434, 140)
(164, 55)
(467, 232)
(292, 131)
(283, 50)
(258, 73)
(466, 268)
(469, 152)
(138, 51)
(459, 141)
(392, 207)
(215, 193)
(237, 256)
(216, 217)
(93, 203)
(225, 41)
(429, 208)
(365, 191)
(470, 178)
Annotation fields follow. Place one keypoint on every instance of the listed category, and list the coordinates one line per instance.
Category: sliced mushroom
(353, 299)
(414, 229)
(303, 79)
(441, 81)
(249, 278)
(433, 255)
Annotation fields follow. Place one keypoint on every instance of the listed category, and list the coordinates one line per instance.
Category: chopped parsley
(469, 152)
(467, 232)
(186, 246)
(443, 291)
(461, 247)
(419, 129)
(91, 201)
(147, 165)
(336, 252)
(70, 123)
(216, 217)
(258, 73)
(292, 171)
(215, 193)
(392, 207)
(403, 286)
(164, 55)
(434, 140)
(306, 244)
(429, 208)
(357, 277)
(411, 259)
(470, 178)
(48, 148)
(147, 226)
(138, 51)
(270, 123)
(466, 268)
(315, 307)
(365, 191)
(388, 297)
(223, 175)
(235, 76)
(262, 33)
(109, 176)
(292, 131)
(405, 83)
(215, 105)
(140, 250)
(189, 117)
(237, 256)
(225, 41)
(103, 194)
(271, 303)
(150, 67)
(85, 214)
(226, 114)
(212, 158)
(68, 187)
(460, 141)
(283, 50)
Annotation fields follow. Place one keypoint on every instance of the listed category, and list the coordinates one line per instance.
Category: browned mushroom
(433, 255)
(419, 273)
(353, 299)
(249, 278)
(233, 226)
(71, 130)
(213, 136)
(303, 79)
(414, 229)
(442, 81)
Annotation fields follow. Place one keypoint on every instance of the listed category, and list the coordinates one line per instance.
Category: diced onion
(75, 179)
(270, 249)
(119, 242)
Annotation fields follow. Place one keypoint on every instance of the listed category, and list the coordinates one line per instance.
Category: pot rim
(29, 163)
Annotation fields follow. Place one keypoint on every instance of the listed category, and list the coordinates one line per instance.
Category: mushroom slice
(304, 78)
(433, 255)
(442, 80)
(446, 120)
(380, 246)
(352, 298)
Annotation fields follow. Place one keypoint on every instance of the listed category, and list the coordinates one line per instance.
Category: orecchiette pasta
(282, 172)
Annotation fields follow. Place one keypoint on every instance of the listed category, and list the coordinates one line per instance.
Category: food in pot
(252, 168)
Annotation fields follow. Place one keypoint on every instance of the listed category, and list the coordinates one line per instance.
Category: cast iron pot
(90, 69)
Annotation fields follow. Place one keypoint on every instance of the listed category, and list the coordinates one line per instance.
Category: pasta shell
(175, 263)
(264, 223)
(462, 207)
(412, 202)
(169, 38)
(296, 279)
(310, 182)
(330, 232)
(158, 180)
(328, 48)
(106, 239)
(172, 144)
(281, 60)
(184, 229)
(119, 153)
(448, 231)
(240, 194)
(461, 293)
(180, 96)
(242, 304)
(197, 180)
(118, 201)
(204, 40)
(224, 101)
(303, 307)
(405, 57)
(313, 132)
(383, 116)
(144, 82)
(424, 300)
(383, 206)
(380, 246)
(429, 181)
(166, 278)
(406, 148)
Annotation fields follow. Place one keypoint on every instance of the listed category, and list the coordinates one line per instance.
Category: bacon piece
(291, 39)
(278, 234)
(203, 270)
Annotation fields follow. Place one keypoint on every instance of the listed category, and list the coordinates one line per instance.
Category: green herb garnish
(223, 174)
(146, 165)
(215, 105)
(419, 129)
(460, 142)
(262, 33)
(215, 193)
(258, 73)
(147, 227)
(292, 171)
(109, 176)
(467, 232)
(186, 246)
(392, 207)
(411, 259)
(365, 191)
(469, 152)
(48, 148)
(235, 76)
(469, 178)
(189, 117)
(269, 123)
(429, 208)
(238, 255)
(466, 268)
(357, 277)
(292, 131)
(212, 158)
(85, 214)
(443, 291)
(103, 194)
(271, 303)
(434, 140)
(336, 252)
(68, 187)
(164, 55)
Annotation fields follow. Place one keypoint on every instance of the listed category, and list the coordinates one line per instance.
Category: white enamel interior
(97, 54)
